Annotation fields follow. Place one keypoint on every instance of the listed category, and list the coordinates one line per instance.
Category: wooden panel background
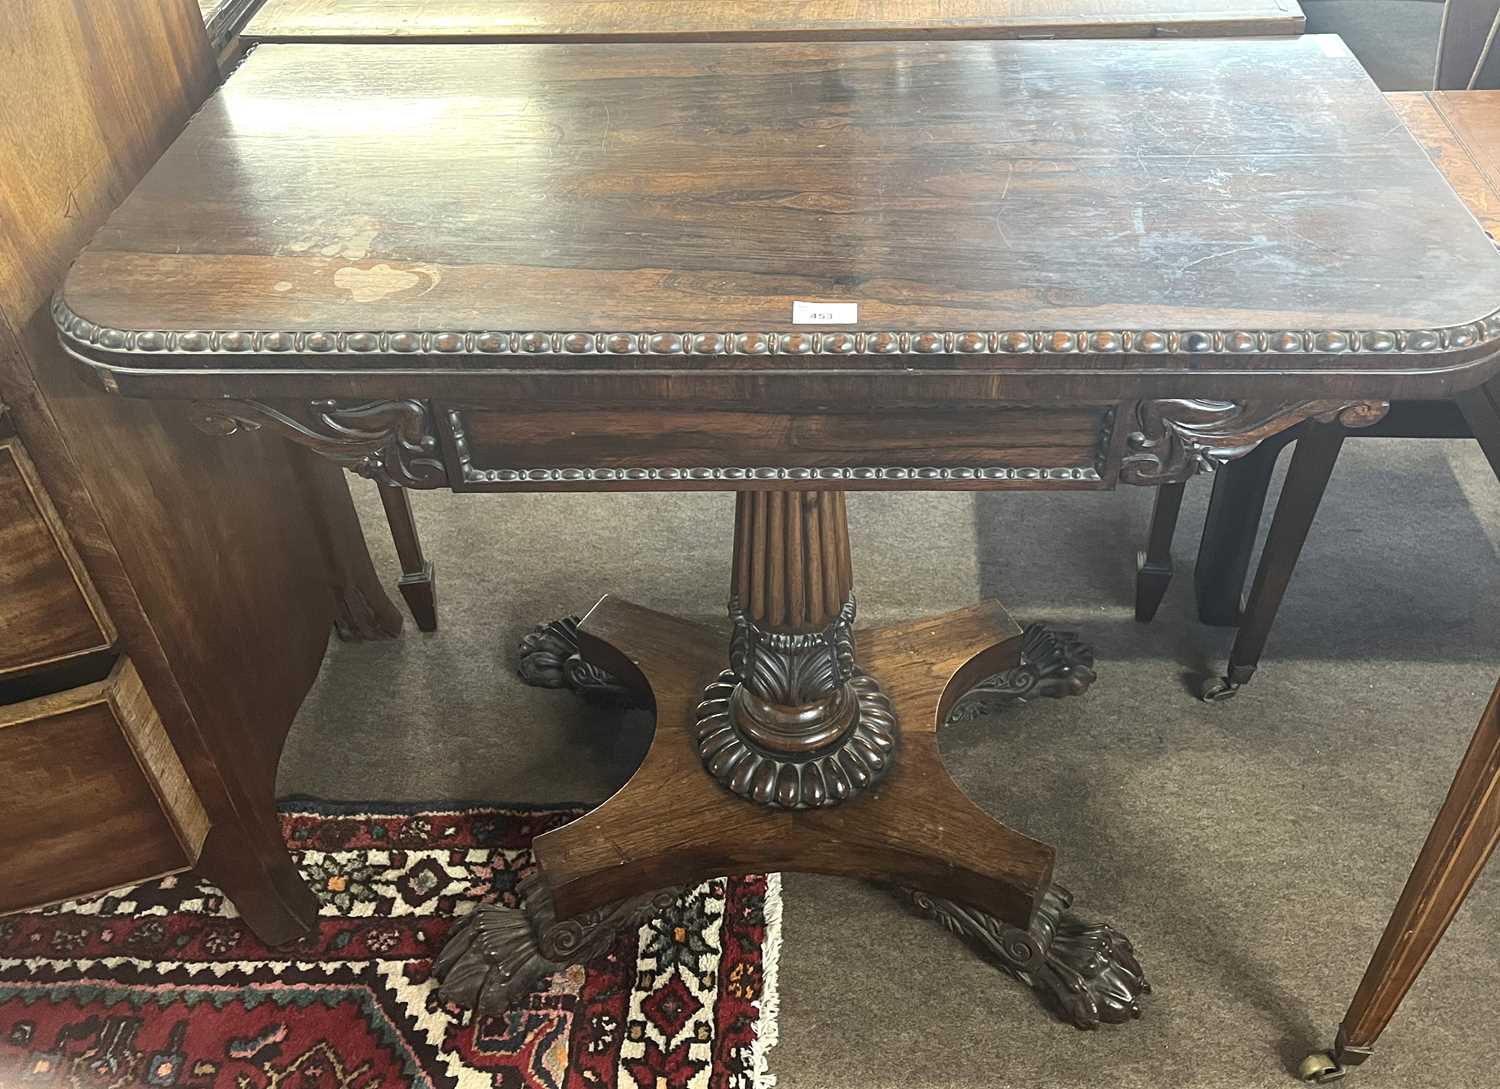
(1461, 134)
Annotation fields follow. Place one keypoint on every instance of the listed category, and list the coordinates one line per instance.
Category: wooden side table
(1460, 130)
(475, 21)
(790, 271)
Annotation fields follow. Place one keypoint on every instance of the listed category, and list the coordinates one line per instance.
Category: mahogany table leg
(365, 610)
(1153, 567)
(816, 752)
(417, 580)
(1230, 529)
(1316, 453)
(1481, 409)
(1461, 841)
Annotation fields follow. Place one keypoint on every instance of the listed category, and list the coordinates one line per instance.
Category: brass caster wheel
(1320, 1068)
(1217, 690)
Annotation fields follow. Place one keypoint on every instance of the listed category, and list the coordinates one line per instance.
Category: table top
(1133, 206)
(1460, 131)
(761, 20)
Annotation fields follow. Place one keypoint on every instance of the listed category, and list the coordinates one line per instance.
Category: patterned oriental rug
(162, 986)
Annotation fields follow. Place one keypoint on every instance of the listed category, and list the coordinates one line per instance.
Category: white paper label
(816, 313)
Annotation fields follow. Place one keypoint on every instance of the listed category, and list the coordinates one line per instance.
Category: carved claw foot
(549, 658)
(497, 954)
(1085, 973)
(1053, 664)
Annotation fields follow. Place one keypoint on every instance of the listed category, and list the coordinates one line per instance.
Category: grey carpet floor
(1252, 849)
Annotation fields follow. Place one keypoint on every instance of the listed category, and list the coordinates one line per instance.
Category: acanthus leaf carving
(390, 442)
(1177, 437)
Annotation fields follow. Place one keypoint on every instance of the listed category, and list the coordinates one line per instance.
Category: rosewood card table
(790, 271)
(475, 21)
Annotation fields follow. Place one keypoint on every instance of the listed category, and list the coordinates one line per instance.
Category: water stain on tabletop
(367, 285)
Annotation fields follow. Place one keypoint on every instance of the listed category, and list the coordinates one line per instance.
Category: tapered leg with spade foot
(815, 751)
(1460, 843)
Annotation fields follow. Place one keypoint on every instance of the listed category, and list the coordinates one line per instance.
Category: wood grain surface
(1223, 184)
(1474, 117)
(728, 20)
(49, 609)
(78, 806)
(673, 824)
(1468, 156)
(501, 448)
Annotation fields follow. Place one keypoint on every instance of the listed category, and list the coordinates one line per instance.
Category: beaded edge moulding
(473, 474)
(1017, 342)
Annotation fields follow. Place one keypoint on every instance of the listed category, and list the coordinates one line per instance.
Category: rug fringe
(767, 1032)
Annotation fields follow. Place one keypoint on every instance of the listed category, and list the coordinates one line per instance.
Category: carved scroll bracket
(1176, 438)
(390, 442)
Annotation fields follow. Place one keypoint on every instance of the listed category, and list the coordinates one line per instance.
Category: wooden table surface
(725, 20)
(1460, 131)
(398, 206)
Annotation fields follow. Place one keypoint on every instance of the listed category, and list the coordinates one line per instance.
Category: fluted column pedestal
(807, 770)
(794, 723)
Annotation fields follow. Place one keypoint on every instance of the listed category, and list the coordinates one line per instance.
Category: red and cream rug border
(162, 985)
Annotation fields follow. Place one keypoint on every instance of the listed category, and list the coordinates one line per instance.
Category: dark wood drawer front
(1012, 447)
(49, 611)
(93, 796)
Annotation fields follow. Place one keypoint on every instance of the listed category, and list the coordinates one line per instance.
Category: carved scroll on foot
(549, 658)
(1053, 664)
(1085, 973)
(497, 954)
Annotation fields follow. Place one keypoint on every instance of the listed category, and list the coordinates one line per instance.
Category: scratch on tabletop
(1226, 253)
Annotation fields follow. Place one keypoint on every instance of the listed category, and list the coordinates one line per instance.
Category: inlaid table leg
(815, 751)
(1461, 841)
